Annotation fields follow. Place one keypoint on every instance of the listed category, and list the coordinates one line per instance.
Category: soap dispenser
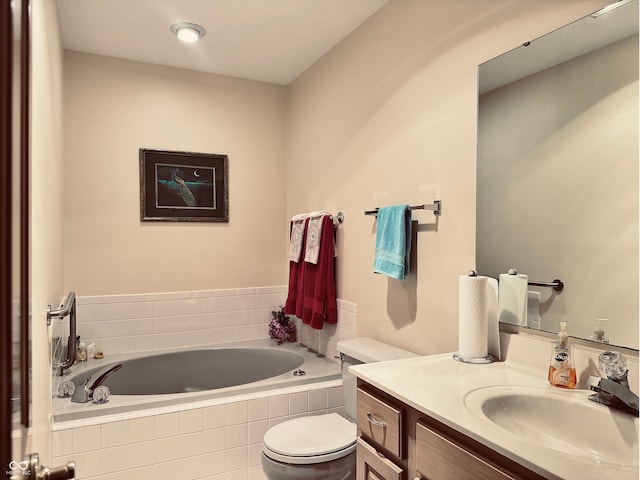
(561, 370)
(598, 333)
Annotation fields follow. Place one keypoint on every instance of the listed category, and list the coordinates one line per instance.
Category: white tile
(169, 324)
(214, 463)
(214, 440)
(168, 308)
(278, 406)
(335, 397)
(163, 341)
(256, 431)
(236, 412)
(317, 399)
(227, 304)
(108, 329)
(166, 425)
(190, 468)
(114, 434)
(87, 464)
(255, 455)
(165, 470)
(214, 417)
(202, 305)
(245, 291)
(242, 317)
(125, 344)
(240, 333)
(144, 343)
(237, 458)
(114, 459)
(256, 473)
(62, 443)
(258, 409)
(298, 403)
(226, 319)
(237, 436)
(240, 474)
(190, 445)
(141, 454)
(86, 438)
(165, 449)
(191, 421)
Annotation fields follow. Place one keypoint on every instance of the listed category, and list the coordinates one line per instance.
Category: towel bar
(436, 206)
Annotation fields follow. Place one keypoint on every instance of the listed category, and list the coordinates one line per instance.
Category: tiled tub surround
(215, 439)
(220, 441)
(147, 322)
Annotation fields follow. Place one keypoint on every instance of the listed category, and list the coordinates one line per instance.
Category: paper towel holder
(557, 285)
(469, 359)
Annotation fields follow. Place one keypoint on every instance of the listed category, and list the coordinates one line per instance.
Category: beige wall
(115, 107)
(389, 117)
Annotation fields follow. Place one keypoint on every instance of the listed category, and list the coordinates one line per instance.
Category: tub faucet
(614, 390)
(84, 392)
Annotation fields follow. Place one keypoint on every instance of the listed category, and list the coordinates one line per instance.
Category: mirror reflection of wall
(557, 185)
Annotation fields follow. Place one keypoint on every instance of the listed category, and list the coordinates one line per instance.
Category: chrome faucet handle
(84, 392)
(613, 364)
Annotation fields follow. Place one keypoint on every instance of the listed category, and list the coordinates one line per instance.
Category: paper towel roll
(493, 328)
(533, 310)
(472, 318)
(512, 298)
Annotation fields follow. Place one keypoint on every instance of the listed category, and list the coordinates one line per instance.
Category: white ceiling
(266, 40)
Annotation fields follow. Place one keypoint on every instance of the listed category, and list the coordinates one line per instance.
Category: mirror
(557, 172)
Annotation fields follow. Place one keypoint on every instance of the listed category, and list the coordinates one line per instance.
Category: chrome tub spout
(84, 392)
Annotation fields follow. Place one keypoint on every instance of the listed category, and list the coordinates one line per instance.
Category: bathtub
(172, 380)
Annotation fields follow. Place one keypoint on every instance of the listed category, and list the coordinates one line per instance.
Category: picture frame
(183, 186)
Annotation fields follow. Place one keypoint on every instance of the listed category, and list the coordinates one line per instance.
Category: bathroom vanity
(438, 419)
(398, 442)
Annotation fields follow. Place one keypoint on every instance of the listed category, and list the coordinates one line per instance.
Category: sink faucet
(614, 390)
(84, 392)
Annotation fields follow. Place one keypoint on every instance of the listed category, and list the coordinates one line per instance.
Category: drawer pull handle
(376, 422)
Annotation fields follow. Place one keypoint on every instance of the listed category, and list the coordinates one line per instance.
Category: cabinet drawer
(381, 422)
(371, 465)
(438, 458)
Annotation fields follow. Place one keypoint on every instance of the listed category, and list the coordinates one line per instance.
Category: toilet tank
(363, 350)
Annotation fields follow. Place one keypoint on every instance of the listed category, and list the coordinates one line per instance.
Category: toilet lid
(313, 439)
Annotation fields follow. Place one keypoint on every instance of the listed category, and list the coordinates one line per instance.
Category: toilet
(323, 447)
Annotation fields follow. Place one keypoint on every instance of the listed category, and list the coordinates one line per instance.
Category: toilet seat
(308, 440)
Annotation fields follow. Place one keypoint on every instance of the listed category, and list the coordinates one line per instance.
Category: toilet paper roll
(512, 299)
(472, 318)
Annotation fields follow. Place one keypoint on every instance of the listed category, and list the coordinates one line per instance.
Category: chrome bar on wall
(436, 206)
(67, 308)
(557, 284)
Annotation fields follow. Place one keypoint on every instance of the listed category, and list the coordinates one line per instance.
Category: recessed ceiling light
(188, 32)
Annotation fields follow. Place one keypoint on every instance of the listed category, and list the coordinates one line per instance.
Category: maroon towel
(312, 288)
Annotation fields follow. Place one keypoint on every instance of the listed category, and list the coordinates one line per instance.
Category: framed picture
(183, 187)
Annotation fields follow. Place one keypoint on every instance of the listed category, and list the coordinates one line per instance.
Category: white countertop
(436, 385)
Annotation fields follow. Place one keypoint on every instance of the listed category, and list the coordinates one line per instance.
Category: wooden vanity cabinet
(399, 443)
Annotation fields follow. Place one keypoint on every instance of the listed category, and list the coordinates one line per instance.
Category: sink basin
(564, 421)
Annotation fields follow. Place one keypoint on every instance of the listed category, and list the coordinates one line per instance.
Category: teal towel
(393, 242)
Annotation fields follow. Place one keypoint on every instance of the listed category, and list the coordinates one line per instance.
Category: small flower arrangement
(281, 328)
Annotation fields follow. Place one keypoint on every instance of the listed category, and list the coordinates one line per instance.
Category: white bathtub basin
(564, 421)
